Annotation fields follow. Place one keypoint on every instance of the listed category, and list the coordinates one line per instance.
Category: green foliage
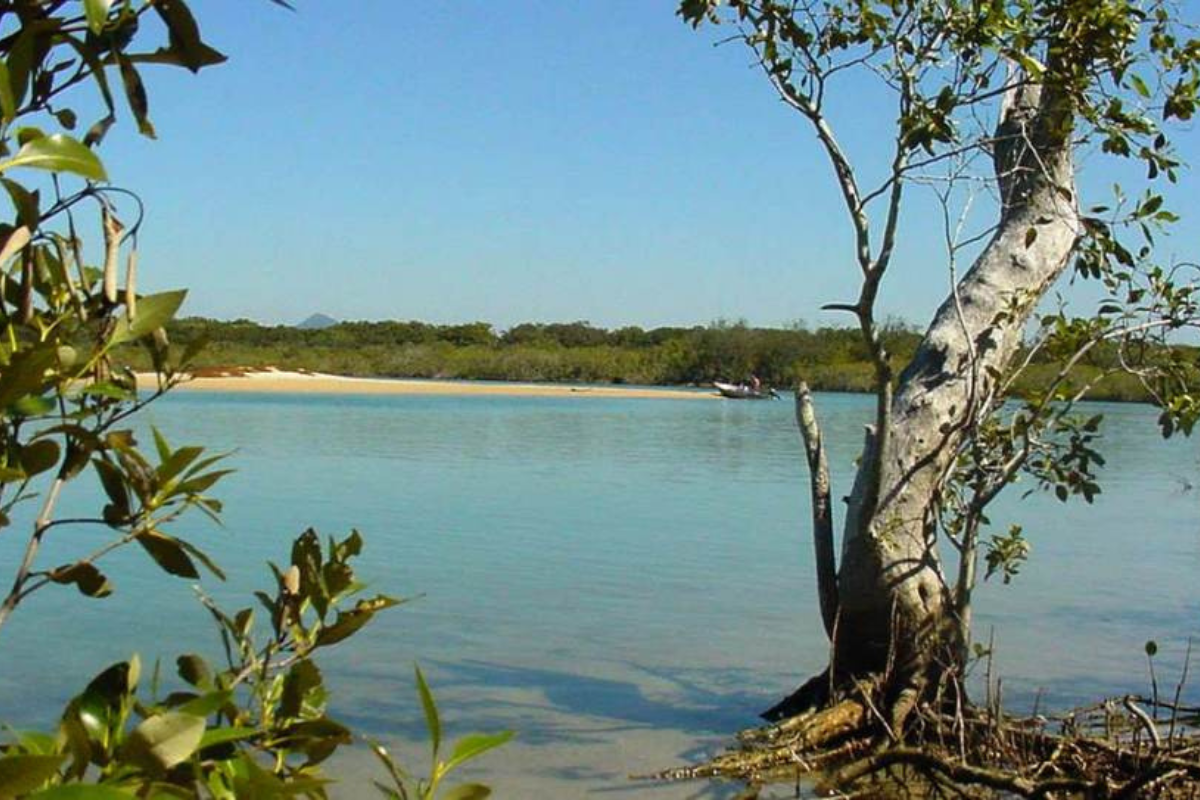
(64, 395)
(470, 747)
(70, 319)
(257, 726)
(829, 359)
(1006, 553)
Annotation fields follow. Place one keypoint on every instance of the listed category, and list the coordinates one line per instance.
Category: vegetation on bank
(828, 358)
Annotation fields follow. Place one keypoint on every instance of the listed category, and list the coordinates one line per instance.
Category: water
(623, 582)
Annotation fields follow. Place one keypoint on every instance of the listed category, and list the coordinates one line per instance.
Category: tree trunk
(894, 601)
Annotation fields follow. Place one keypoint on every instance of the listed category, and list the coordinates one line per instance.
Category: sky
(527, 160)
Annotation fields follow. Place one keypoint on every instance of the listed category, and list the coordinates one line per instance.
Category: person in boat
(755, 384)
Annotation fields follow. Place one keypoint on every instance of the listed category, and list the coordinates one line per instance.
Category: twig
(31, 549)
(1144, 718)
(1187, 660)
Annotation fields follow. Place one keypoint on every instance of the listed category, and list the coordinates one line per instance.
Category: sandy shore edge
(283, 382)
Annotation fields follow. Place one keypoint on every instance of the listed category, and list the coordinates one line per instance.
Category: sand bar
(283, 382)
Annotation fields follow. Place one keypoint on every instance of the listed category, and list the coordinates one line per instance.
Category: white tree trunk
(893, 599)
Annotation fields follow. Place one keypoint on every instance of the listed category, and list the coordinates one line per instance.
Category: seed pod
(25, 312)
(291, 580)
(131, 284)
(67, 277)
(112, 252)
(16, 240)
(77, 256)
(160, 339)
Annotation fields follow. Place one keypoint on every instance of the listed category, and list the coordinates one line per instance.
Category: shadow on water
(700, 709)
(693, 702)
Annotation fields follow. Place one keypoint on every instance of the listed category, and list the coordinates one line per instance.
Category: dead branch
(822, 507)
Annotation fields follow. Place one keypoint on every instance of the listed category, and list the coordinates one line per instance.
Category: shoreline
(287, 382)
(273, 380)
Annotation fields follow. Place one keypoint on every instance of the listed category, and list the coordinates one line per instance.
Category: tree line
(829, 358)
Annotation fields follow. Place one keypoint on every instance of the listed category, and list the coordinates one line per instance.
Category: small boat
(742, 391)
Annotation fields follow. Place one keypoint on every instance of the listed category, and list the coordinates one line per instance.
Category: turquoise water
(624, 582)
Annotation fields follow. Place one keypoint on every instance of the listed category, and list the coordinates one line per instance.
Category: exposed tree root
(1127, 748)
(812, 695)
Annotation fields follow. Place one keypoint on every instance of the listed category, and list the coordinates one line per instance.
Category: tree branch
(841, 167)
(822, 506)
(31, 550)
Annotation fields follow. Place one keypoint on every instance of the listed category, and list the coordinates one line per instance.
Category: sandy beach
(280, 381)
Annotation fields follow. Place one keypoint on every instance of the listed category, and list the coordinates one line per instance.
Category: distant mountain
(317, 321)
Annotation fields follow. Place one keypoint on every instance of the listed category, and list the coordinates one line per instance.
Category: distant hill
(318, 321)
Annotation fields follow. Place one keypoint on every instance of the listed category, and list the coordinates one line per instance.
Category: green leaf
(207, 704)
(168, 554)
(203, 558)
(177, 462)
(25, 374)
(153, 312)
(215, 736)
(97, 13)
(165, 740)
(32, 406)
(194, 670)
(115, 682)
(57, 153)
(350, 546)
(23, 773)
(96, 69)
(161, 445)
(39, 456)
(20, 63)
(135, 93)
(36, 743)
(82, 791)
(315, 738)
(474, 745)
(1030, 65)
(108, 389)
(202, 483)
(432, 721)
(185, 35)
(24, 201)
(89, 580)
(29, 133)
(350, 622)
(301, 679)
(468, 791)
(171, 56)
(95, 134)
(113, 481)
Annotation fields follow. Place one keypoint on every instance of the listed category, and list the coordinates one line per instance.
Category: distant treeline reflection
(829, 358)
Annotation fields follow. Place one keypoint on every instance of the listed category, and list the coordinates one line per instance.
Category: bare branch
(31, 549)
(822, 507)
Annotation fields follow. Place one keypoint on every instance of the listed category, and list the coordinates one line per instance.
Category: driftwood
(1131, 747)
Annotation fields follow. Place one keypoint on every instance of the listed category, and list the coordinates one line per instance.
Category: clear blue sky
(505, 161)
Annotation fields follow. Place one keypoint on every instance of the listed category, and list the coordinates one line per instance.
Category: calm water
(624, 582)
